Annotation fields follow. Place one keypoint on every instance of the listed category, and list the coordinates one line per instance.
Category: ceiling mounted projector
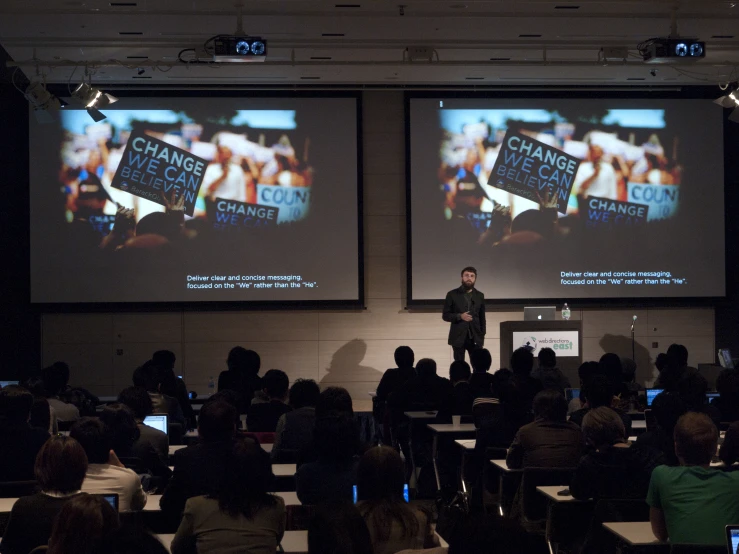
(673, 50)
(239, 49)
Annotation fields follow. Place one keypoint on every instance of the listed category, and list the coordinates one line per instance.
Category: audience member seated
(263, 417)
(692, 389)
(425, 391)
(613, 468)
(598, 391)
(396, 377)
(242, 375)
(550, 440)
(727, 385)
(60, 468)
(693, 503)
(125, 435)
(151, 378)
(393, 524)
(83, 525)
(481, 380)
(331, 477)
(338, 529)
(522, 363)
(584, 373)
(54, 383)
(42, 414)
(105, 472)
(630, 387)
(165, 361)
(198, 468)
(81, 398)
(332, 400)
(295, 429)
(610, 366)
(548, 374)
(667, 407)
(459, 375)
(501, 429)
(240, 516)
(675, 368)
(20, 442)
(139, 401)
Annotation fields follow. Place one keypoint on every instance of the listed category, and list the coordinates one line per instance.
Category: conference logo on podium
(530, 343)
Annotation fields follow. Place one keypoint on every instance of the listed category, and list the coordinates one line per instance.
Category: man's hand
(548, 201)
(175, 207)
(466, 316)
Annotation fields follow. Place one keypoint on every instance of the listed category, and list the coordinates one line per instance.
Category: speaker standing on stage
(464, 308)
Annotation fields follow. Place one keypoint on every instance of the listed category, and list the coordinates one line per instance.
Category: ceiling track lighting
(92, 99)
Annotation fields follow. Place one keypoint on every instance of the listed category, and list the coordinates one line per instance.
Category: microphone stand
(633, 342)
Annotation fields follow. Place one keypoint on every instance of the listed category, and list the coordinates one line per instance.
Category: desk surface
(467, 444)
(634, 533)
(501, 465)
(175, 447)
(152, 501)
(284, 470)
(451, 428)
(421, 415)
(639, 424)
(551, 493)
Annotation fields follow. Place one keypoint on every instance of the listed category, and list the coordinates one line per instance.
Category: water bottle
(566, 312)
(211, 386)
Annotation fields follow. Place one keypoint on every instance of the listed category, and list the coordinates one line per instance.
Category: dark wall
(20, 332)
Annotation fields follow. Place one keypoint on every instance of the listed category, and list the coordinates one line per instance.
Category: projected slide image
(568, 199)
(210, 200)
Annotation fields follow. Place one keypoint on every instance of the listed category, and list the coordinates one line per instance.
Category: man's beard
(468, 287)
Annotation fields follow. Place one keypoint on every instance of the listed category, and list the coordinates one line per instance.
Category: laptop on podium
(541, 313)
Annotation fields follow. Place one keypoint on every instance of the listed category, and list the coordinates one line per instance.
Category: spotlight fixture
(93, 100)
(43, 102)
(730, 100)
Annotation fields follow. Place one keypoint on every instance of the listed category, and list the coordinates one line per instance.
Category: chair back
(482, 410)
(533, 503)
(16, 489)
(650, 419)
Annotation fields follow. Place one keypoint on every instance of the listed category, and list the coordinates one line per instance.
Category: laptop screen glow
(158, 421)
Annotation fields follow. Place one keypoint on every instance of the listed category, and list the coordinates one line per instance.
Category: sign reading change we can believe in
(564, 343)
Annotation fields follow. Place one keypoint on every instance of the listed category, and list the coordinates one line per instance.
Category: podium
(564, 337)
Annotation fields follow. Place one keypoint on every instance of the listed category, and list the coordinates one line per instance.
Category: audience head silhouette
(332, 400)
(55, 377)
(522, 362)
(164, 359)
(696, 438)
(598, 391)
(15, 405)
(404, 356)
(667, 407)
(246, 480)
(121, 423)
(244, 361)
(94, 437)
(426, 367)
(336, 437)
(459, 370)
(275, 384)
(602, 427)
(481, 360)
(61, 465)
(138, 400)
(218, 421)
(304, 393)
(148, 376)
(550, 405)
(83, 525)
(547, 358)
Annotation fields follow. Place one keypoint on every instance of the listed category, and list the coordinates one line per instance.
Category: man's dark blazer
(454, 306)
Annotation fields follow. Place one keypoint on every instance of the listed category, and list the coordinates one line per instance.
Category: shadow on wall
(346, 365)
(621, 345)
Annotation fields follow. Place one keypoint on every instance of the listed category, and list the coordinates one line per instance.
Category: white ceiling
(466, 34)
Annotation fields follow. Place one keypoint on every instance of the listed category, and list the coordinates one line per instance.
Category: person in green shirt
(692, 504)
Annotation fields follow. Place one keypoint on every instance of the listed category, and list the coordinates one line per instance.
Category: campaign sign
(606, 213)
(662, 200)
(235, 215)
(152, 169)
(529, 168)
(293, 202)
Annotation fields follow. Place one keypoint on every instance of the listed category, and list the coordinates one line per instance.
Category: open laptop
(732, 538)
(651, 394)
(111, 499)
(158, 421)
(724, 358)
(571, 394)
(4, 384)
(711, 395)
(541, 313)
